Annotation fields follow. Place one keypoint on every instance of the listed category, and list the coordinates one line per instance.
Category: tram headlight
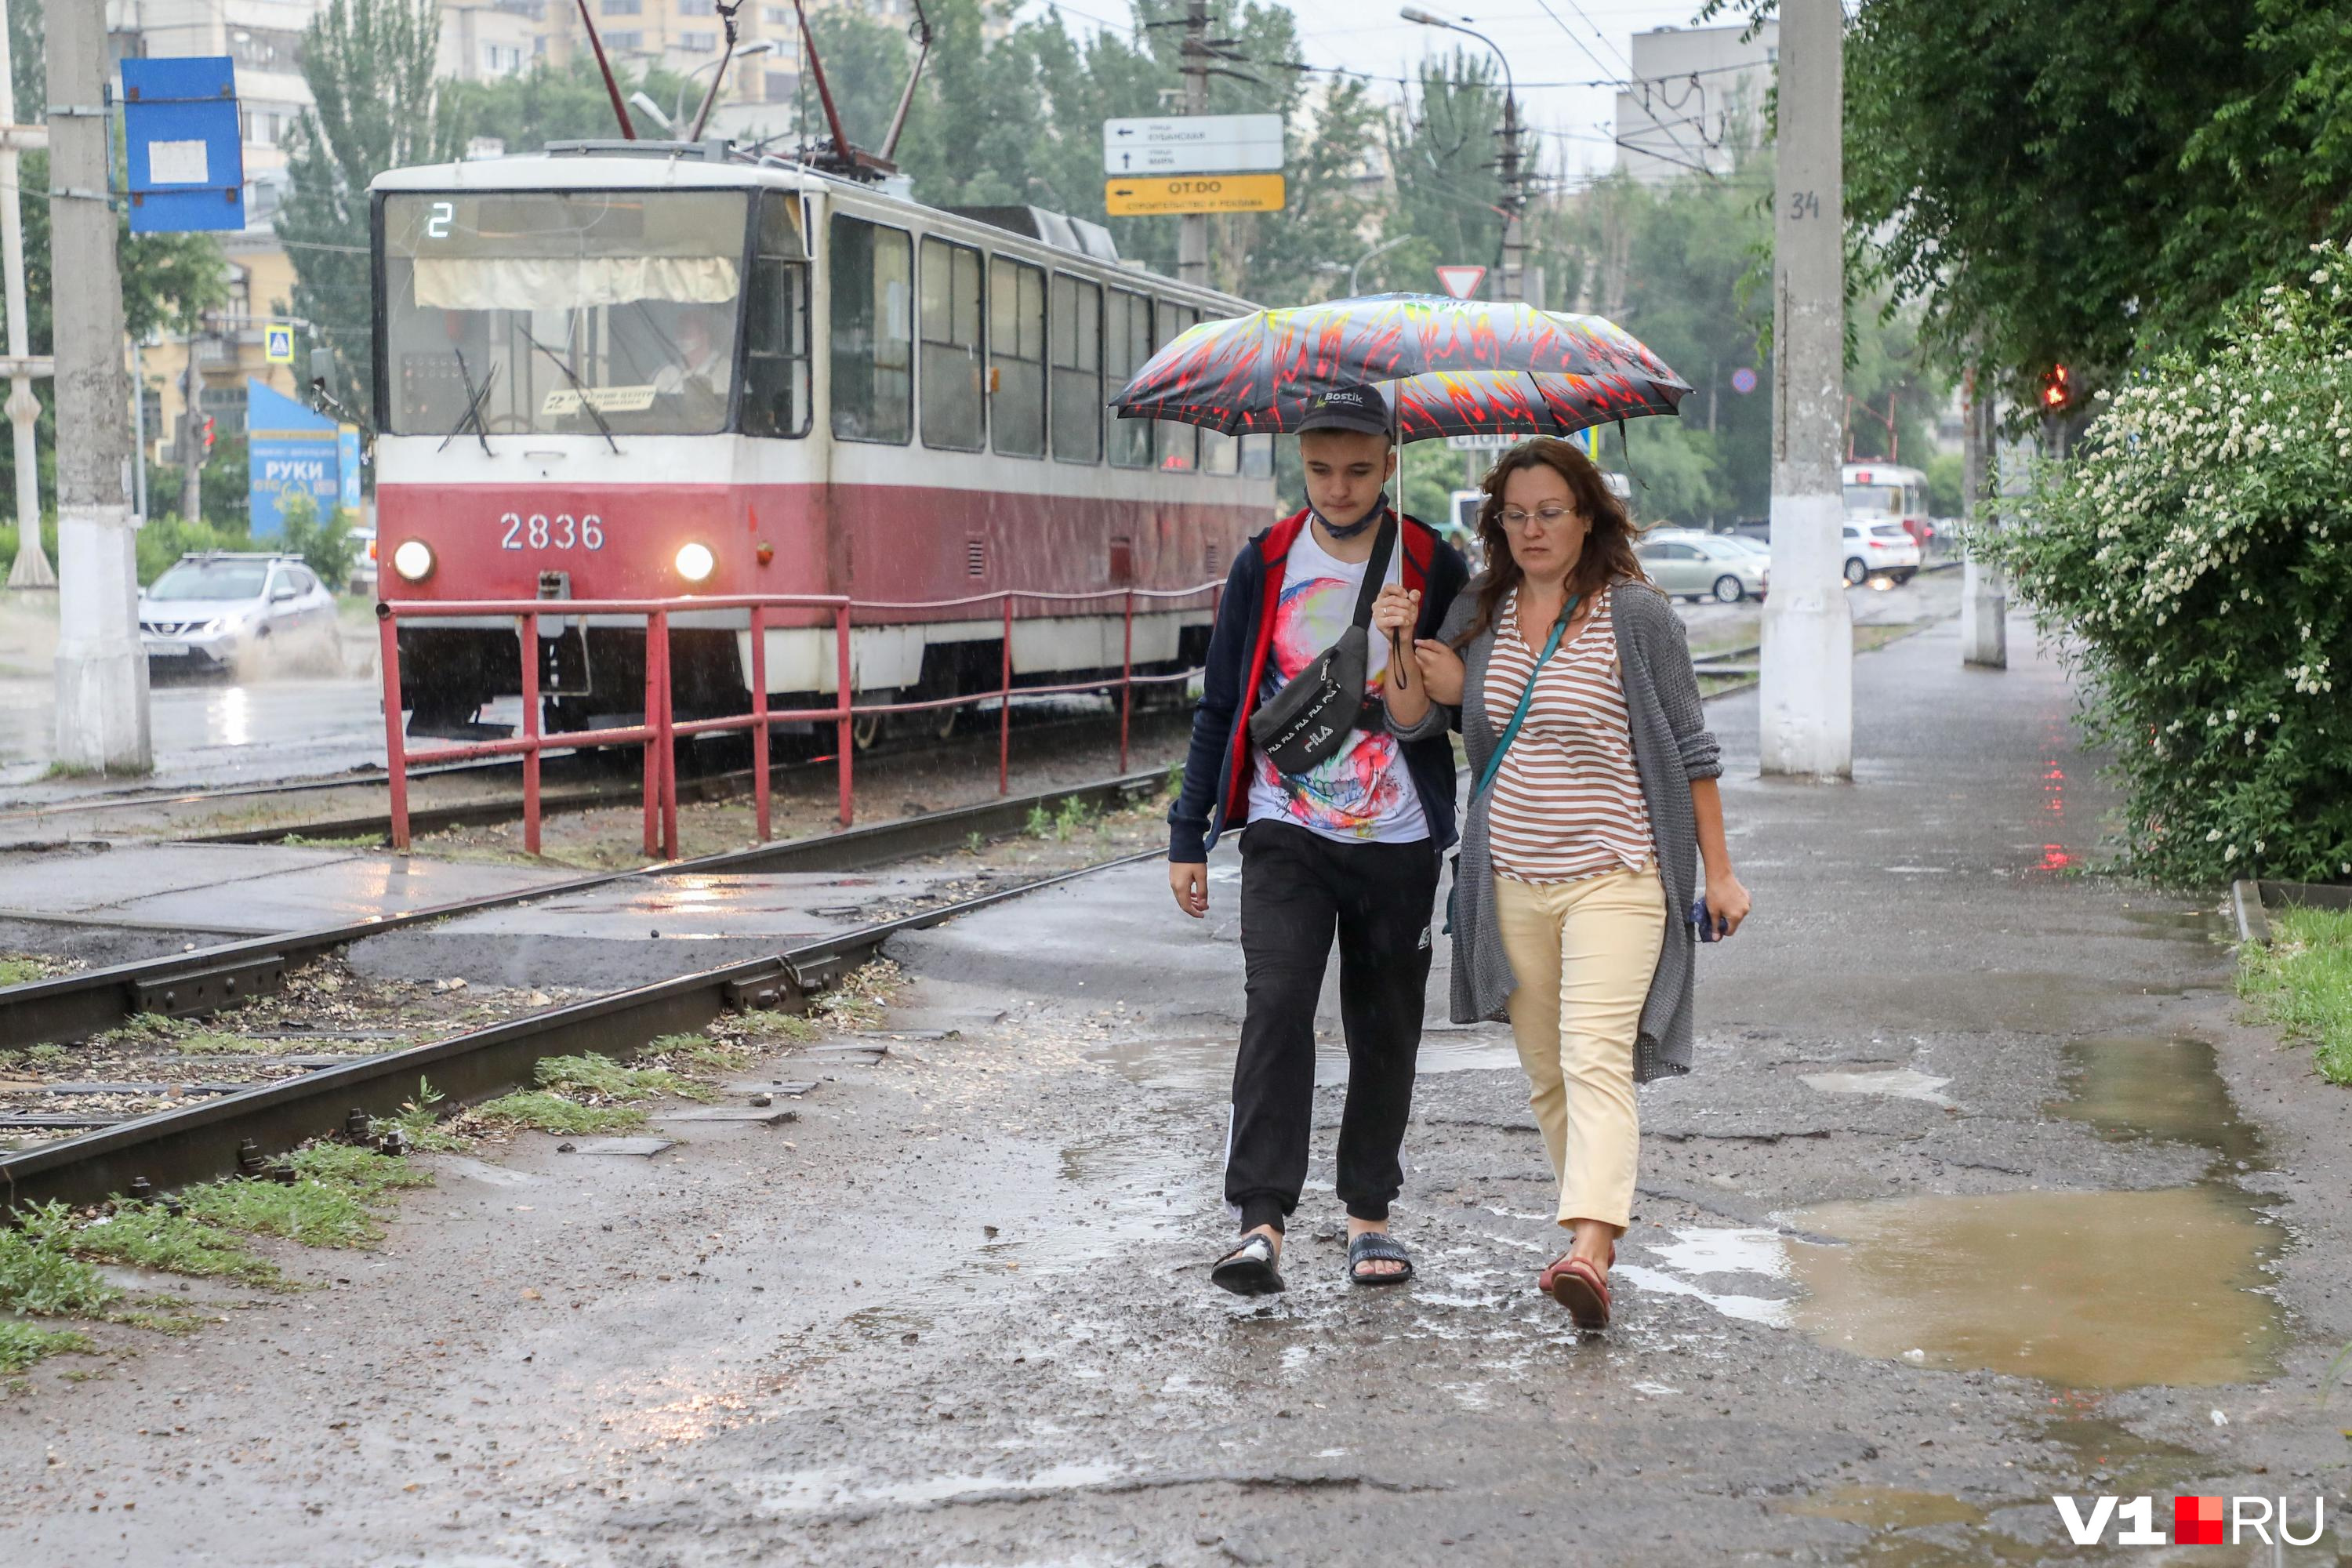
(695, 562)
(412, 559)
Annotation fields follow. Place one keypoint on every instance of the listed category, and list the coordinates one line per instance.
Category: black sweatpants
(1297, 890)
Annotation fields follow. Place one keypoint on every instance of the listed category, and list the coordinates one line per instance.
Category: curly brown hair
(1608, 555)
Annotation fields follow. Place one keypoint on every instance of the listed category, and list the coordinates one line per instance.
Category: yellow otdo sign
(1194, 193)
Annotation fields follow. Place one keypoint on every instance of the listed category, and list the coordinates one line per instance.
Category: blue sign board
(347, 450)
(185, 152)
(293, 452)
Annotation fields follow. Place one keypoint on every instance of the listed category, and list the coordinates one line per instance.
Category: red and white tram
(635, 371)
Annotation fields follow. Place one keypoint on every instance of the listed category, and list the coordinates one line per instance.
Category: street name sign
(1461, 281)
(1484, 441)
(1193, 144)
(1194, 193)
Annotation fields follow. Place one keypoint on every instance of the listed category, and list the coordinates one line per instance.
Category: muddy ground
(1981, 1191)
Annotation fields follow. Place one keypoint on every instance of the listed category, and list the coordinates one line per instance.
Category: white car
(1879, 550)
(211, 613)
(1687, 563)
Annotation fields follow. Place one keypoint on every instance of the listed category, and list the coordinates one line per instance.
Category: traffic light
(208, 432)
(2057, 389)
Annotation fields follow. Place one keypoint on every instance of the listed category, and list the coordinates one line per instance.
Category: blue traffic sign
(186, 156)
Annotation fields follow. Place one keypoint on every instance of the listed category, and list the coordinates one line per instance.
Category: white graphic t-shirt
(1363, 791)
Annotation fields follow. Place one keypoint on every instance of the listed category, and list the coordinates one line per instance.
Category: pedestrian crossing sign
(277, 344)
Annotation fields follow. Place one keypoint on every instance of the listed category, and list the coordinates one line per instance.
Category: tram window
(1126, 343)
(1219, 453)
(1178, 444)
(1257, 457)
(1075, 335)
(873, 331)
(1016, 349)
(954, 412)
(776, 338)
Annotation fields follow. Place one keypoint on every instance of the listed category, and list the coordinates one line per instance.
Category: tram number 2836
(563, 531)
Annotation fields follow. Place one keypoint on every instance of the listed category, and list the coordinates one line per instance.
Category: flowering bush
(2200, 552)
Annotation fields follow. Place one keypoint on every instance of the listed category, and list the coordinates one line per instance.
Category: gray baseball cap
(1364, 409)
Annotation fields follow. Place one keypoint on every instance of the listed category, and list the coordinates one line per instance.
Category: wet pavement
(1980, 1193)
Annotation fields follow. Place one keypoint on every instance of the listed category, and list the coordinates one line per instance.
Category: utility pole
(32, 565)
(1984, 591)
(1806, 697)
(102, 670)
(1512, 284)
(1192, 228)
(192, 436)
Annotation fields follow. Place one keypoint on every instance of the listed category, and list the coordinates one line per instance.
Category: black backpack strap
(1376, 570)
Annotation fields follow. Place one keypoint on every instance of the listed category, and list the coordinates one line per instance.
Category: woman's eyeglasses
(1550, 516)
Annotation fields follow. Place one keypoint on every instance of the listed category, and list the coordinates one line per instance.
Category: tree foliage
(2197, 551)
(546, 104)
(376, 106)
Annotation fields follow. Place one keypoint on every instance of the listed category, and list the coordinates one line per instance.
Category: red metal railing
(659, 729)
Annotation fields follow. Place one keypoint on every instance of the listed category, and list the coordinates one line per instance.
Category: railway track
(190, 984)
(239, 1131)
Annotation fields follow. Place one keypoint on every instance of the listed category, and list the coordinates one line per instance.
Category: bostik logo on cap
(1345, 397)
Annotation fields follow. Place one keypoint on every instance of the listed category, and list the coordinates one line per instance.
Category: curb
(2246, 909)
(2252, 901)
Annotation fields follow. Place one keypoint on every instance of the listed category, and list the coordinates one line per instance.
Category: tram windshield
(561, 311)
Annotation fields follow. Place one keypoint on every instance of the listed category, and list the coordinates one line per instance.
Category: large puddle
(2085, 1289)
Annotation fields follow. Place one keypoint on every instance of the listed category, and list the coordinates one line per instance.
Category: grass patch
(147, 1235)
(22, 1344)
(331, 1202)
(39, 1272)
(860, 999)
(607, 1079)
(550, 1112)
(419, 1123)
(16, 970)
(348, 841)
(2303, 982)
(772, 1025)
(138, 1029)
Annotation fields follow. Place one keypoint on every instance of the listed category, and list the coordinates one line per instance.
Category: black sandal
(1372, 1246)
(1248, 1269)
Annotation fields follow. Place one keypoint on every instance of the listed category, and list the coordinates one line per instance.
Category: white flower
(2214, 837)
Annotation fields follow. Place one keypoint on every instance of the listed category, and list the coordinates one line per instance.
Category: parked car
(1879, 550)
(1690, 565)
(223, 613)
(363, 562)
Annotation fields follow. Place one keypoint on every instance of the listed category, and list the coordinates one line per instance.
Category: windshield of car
(212, 579)
(553, 307)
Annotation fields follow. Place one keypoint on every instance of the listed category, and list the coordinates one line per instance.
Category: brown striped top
(1567, 801)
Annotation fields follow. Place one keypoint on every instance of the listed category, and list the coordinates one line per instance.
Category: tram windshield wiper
(578, 386)
(474, 399)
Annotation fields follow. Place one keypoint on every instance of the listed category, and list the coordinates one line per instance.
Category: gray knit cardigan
(1671, 747)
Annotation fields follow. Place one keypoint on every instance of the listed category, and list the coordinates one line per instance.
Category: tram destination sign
(1193, 144)
(1194, 193)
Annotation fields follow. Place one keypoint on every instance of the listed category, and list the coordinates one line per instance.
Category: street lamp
(1381, 249)
(677, 102)
(1514, 197)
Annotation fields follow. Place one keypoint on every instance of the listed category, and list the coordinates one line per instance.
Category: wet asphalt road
(1952, 1096)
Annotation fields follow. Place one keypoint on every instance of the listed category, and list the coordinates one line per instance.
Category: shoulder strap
(1376, 570)
(1527, 696)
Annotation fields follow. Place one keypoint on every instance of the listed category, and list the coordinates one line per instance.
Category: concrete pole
(102, 670)
(1192, 228)
(1984, 593)
(32, 565)
(1806, 696)
(192, 438)
(1512, 284)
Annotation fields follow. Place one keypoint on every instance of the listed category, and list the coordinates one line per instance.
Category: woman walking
(1574, 894)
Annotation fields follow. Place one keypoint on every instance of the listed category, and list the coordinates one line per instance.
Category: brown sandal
(1580, 1288)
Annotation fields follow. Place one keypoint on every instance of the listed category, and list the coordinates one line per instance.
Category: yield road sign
(1193, 144)
(1194, 193)
(1461, 281)
(277, 344)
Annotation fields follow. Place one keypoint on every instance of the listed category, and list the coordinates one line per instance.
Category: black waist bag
(1309, 718)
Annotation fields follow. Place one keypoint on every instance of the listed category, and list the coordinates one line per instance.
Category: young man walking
(1348, 847)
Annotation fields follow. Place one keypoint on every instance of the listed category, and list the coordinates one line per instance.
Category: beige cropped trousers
(1584, 952)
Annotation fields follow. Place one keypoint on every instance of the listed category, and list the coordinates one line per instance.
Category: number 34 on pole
(1194, 193)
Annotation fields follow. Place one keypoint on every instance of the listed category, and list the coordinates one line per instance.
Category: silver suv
(219, 612)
